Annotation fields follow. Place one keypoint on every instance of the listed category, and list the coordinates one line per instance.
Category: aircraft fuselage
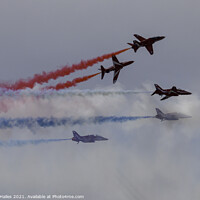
(173, 92)
(143, 42)
(150, 41)
(123, 64)
(87, 138)
(169, 92)
(169, 116)
(172, 116)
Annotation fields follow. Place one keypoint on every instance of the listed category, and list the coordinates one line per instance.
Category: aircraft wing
(88, 138)
(166, 97)
(140, 38)
(116, 74)
(171, 92)
(118, 66)
(115, 61)
(149, 49)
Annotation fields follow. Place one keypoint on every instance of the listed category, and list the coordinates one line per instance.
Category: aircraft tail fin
(158, 89)
(76, 135)
(160, 115)
(159, 112)
(134, 46)
(102, 71)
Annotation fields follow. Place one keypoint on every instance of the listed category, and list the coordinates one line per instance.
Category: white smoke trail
(66, 92)
(19, 143)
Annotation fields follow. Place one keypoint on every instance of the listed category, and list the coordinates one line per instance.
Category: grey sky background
(143, 159)
(41, 36)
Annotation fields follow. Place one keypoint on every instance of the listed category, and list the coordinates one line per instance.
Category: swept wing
(149, 49)
(166, 97)
(116, 74)
(118, 66)
(140, 38)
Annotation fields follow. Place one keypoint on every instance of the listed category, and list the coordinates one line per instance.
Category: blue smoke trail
(11, 143)
(53, 122)
(101, 119)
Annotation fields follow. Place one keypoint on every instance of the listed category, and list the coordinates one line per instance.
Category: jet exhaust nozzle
(134, 46)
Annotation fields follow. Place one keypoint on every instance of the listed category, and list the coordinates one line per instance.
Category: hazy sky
(143, 159)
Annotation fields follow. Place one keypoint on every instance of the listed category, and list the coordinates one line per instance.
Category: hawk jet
(169, 92)
(87, 139)
(169, 116)
(143, 42)
(117, 66)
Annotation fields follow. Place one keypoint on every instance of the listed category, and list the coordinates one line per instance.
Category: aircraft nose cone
(187, 93)
(103, 138)
(130, 62)
(162, 37)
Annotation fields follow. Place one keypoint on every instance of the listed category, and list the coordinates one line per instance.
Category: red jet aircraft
(143, 42)
(117, 66)
(169, 92)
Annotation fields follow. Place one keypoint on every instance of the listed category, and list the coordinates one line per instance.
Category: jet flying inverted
(169, 92)
(117, 66)
(143, 42)
(169, 116)
(87, 139)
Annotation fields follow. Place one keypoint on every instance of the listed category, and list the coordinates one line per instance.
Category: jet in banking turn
(87, 139)
(117, 66)
(143, 42)
(169, 116)
(169, 92)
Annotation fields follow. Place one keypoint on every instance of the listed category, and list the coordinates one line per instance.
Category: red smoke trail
(66, 70)
(71, 83)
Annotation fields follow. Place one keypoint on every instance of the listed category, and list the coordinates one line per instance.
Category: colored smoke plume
(19, 99)
(72, 83)
(54, 122)
(63, 92)
(66, 70)
(20, 143)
